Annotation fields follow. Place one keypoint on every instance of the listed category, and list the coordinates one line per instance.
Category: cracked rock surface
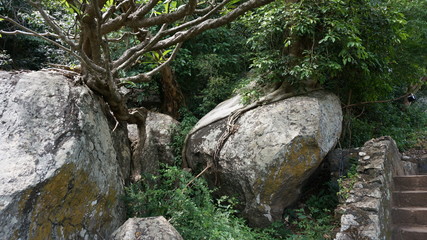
(62, 167)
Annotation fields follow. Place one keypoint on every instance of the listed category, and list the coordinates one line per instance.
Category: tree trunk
(137, 153)
(173, 99)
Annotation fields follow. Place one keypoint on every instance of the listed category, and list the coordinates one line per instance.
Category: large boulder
(157, 147)
(62, 165)
(275, 149)
(150, 228)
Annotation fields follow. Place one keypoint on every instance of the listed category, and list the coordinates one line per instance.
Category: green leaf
(156, 56)
(166, 52)
(130, 83)
(173, 5)
(71, 8)
(107, 5)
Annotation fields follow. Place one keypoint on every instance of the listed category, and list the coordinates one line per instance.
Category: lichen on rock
(68, 201)
(63, 168)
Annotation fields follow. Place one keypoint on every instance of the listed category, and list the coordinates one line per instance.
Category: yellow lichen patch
(302, 157)
(66, 204)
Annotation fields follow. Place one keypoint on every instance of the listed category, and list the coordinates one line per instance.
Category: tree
(152, 26)
(347, 46)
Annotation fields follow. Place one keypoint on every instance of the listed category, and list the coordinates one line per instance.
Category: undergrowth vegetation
(192, 210)
(405, 125)
(196, 215)
(315, 218)
(347, 182)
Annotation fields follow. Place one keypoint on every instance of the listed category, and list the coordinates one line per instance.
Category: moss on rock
(66, 206)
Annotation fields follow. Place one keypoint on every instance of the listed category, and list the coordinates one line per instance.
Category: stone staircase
(409, 207)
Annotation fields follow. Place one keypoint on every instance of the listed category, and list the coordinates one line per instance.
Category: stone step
(409, 233)
(410, 182)
(414, 215)
(410, 199)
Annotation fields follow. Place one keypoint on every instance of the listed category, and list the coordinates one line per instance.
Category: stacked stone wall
(366, 212)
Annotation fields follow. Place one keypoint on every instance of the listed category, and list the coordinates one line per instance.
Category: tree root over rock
(280, 93)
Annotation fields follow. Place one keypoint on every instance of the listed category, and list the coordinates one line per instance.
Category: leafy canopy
(344, 45)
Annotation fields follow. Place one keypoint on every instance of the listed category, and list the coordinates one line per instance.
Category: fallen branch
(200, 174)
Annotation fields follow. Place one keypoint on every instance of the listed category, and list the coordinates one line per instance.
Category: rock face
(62, 167)
(274, 151)
(157, 146)
(151, 228)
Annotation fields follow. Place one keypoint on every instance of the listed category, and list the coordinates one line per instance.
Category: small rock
(151, 228)
(362, 154)
(347, 221)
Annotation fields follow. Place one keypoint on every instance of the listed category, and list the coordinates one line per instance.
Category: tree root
(279, 94)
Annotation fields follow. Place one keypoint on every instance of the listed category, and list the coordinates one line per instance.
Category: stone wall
(366, 213)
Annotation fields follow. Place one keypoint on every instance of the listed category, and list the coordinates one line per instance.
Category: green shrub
(315, 219)
(180, 133)
(191, 210)
(310, 228)
(405, 125)
(347, 182)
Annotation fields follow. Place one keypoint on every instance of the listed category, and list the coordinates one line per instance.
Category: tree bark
(173, 99)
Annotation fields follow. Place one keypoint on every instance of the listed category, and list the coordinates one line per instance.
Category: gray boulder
(151, 228)
(273, 152)
(62, 167)
(156, 148)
